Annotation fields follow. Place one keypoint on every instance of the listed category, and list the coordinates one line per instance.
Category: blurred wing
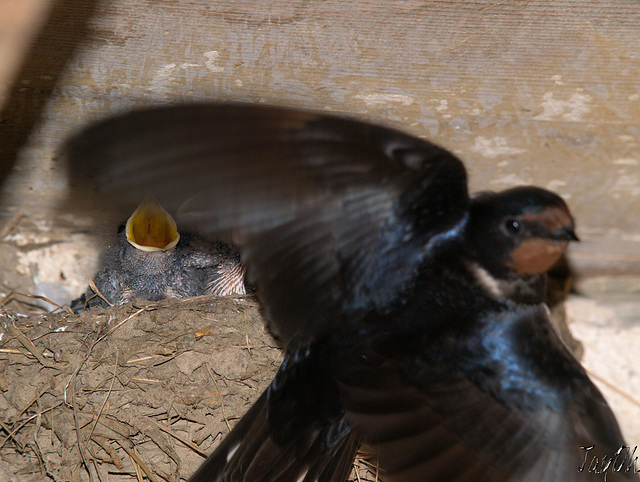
(426, 421)
(332, 215)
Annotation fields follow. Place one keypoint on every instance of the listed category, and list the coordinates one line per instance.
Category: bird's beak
(565, 233)
(151, 228)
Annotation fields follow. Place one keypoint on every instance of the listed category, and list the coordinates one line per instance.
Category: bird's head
(519, 232)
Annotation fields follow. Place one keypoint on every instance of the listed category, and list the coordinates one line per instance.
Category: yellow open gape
(151, 228)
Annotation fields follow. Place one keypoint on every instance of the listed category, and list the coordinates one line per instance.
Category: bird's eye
(513, 226)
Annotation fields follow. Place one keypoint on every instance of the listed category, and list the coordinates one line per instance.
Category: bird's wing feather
(440, 418)
(339, 209)
(294, 432)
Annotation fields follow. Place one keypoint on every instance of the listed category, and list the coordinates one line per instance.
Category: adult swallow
(412, 314)
(152, 261)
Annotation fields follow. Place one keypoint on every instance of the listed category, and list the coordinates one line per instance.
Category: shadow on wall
(61, 35)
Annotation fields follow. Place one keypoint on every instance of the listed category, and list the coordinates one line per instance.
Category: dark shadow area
(62, 34)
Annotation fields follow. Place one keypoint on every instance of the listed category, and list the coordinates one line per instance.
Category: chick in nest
(151, 260)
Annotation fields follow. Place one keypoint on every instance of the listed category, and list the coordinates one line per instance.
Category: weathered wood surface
(542, 92)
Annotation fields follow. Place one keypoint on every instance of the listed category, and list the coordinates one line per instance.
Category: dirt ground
(130, 392)
(146, 387)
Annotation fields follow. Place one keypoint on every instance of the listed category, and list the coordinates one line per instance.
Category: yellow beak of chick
(151, 228)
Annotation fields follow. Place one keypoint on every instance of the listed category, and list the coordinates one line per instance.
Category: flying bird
(412, 313)
(151, 260)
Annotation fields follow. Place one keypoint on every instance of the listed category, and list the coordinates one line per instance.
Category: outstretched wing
(494, 407)
(332, 215)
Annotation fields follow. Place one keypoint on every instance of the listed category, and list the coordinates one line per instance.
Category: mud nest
(136, 392)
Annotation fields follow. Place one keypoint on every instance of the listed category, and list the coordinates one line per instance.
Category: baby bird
(152, 261)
